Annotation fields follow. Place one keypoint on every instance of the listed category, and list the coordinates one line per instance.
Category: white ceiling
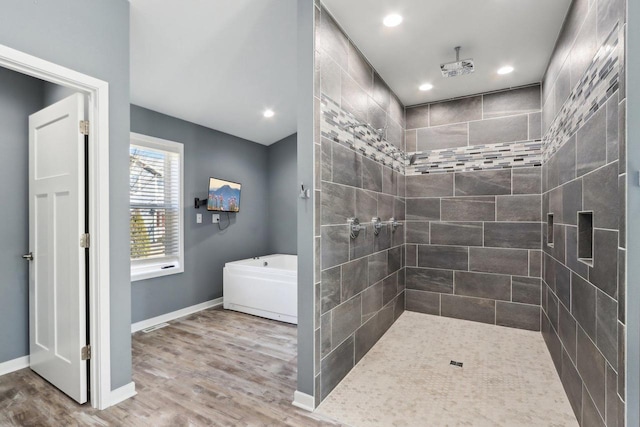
(219, 64)
(521, 33)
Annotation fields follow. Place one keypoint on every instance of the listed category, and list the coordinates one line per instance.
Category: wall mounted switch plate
(215, 218)
(199, 218)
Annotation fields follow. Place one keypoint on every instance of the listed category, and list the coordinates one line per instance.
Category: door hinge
(84, 127)
(85, 241)
(85, 352)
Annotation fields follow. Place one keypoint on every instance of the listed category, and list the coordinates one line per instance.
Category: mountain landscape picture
(224, 196)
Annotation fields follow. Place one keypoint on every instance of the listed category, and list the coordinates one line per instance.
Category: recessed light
(269, 113)
(505, 70)
(392, 20)
(426, 86)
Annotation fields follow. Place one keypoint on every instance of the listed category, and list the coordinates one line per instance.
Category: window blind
(154, 196)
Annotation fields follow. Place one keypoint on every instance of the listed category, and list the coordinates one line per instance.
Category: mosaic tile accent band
(336, 124)
(599, 82)
(481, 157)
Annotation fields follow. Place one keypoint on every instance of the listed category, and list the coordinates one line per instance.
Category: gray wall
(20, 96)
(283, 196)
(92, 38)
(360, 290)
(585, 169)
(207, 153)
(478, 228)
(307, 316)
(633, 220)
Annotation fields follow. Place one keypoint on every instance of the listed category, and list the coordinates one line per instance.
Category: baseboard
(303, 401)
(14, 365)
(122, 393)
(144, 324)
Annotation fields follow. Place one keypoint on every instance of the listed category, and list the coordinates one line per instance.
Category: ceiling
(219, 64)
(494, 33)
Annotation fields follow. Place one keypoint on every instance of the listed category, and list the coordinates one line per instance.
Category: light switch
(199, 218)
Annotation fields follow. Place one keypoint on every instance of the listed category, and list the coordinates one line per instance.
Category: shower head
(412, 159)
(457, 68)
(381, 132)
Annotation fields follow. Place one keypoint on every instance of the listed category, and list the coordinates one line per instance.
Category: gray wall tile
(335, 245)
(591, 144)
(423, 302)
(519, 208)
(426, 279)
(337, 203)
(347, 166)
(467, 308)
(469, 209)
(526, 290)
(482, 183)
(514, 315)
(512, 102)
(607, 327)
(417, 232)
(591, 366)
(447, 257)
(604, 273)
(456, 233)
(456, 111)
(527, 180)
(583, 304)
(354, 278)
(526, 235)
(430, 185)
(601, 196)
(371, 301)
(483, 285)
(371, 175)
(359, 68)
(535, 126)
(377, 267)
(411, 140)
(439, 137)
(345, 319)
(493, 131)
(353, 98)
(423, 209)
(336, 366)
(502, 261)
(417, 117)
(567, 331)
(572, 384)
(330, 289)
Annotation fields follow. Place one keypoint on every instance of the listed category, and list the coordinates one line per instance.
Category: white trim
(97, 92)
(144, 324)
(122, 393)
(303, 401)
(14, 365)
(148, 269)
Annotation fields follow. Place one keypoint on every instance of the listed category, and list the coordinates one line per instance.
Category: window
(155, 207)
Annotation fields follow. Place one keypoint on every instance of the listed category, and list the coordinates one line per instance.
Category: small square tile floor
(507, 378)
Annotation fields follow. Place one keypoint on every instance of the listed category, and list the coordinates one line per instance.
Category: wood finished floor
(215, 367)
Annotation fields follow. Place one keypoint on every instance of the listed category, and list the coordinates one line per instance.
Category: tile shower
(490, 208)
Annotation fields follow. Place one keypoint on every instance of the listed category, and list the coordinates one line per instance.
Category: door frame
(97, 92)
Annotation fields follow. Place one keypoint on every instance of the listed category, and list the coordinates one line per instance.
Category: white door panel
(57, 288)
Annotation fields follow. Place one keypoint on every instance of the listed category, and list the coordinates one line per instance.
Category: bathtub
(266, 286)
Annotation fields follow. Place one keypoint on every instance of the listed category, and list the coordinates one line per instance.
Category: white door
(57, 304)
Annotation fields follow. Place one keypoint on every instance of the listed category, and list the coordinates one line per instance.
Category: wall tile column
(359, 282)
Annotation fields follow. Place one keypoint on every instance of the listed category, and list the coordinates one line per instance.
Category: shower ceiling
(494, 33)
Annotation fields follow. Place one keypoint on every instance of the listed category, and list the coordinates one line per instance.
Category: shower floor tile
(406, 379)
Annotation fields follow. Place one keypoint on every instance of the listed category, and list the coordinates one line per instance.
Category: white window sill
(150, 272)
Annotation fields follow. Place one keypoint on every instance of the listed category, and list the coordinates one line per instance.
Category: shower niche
(585, 237)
